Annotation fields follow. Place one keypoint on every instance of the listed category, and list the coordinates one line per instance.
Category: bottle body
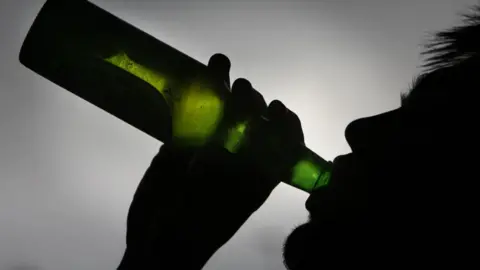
(142, 81)
(87, 51)
(195, 103)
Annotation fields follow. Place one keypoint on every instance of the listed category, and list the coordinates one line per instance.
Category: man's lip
(340, 159)
(338, 164)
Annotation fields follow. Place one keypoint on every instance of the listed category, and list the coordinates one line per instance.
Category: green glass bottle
(144, 82)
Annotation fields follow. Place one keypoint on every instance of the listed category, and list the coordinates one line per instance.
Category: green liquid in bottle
(144, 82)
(196, 109)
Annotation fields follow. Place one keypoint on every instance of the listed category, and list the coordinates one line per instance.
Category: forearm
(173, 251)
(189, 216)
(186, 242)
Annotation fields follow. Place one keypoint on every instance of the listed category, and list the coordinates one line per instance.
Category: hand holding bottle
(192, 201)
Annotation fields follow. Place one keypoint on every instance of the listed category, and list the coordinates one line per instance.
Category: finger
(247, 101)
(276, 111)
(220, 65)
(285, 122)
(275, 142)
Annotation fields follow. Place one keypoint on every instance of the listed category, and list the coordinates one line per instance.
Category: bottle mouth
(324, 178)
(308, 175)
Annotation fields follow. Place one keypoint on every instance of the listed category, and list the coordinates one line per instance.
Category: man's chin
(312, 246)
(302, 247)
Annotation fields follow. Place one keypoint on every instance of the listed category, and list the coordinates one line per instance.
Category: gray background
(329, 61)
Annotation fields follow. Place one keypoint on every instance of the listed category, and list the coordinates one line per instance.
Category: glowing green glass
(196, 110)
(124, 62)
(309, 176)
(235, 137)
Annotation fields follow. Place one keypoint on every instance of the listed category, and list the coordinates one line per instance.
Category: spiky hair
(455, 45)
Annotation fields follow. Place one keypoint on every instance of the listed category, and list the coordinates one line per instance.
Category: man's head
(403, 192)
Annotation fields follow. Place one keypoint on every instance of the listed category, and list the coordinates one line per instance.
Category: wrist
(172, 250)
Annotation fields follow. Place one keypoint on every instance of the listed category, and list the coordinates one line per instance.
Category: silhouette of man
(402, 197)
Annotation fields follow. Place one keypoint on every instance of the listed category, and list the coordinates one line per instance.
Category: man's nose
(375, 132)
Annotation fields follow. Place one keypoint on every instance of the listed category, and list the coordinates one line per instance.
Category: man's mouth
(341, 165)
